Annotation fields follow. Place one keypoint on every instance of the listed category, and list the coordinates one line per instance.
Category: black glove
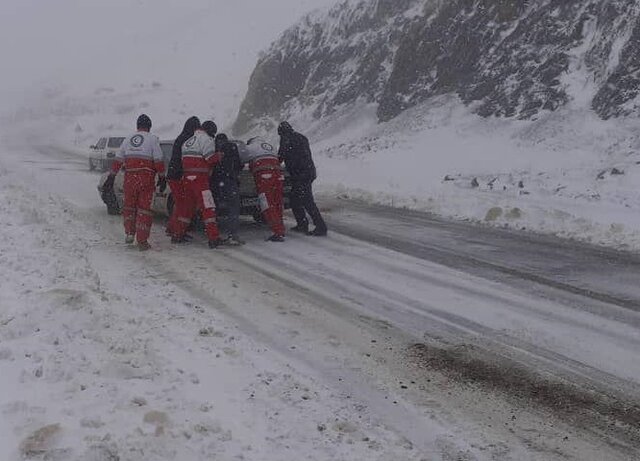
(108, 183)
(162, 184)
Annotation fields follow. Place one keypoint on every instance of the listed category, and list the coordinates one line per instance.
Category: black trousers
(302, 202)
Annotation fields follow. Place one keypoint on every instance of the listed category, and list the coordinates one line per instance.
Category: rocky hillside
(511, 58)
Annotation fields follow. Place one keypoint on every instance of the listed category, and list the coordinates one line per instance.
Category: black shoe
(318, 232)
(233, 241)
(215, 243)
(276, 238)
(187, 237)
(301, 228)
(175, 239)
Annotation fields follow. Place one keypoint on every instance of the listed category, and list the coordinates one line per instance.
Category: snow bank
(568, 173)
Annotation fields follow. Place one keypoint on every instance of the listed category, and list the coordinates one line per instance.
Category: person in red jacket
(175, 179)
(199, 156)
(141, 157)
(265, 167)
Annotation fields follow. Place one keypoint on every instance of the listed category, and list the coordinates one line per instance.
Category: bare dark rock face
(510, 58)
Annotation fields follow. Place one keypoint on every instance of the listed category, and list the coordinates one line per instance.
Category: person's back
(199, 156)
(197, 153)
(257, 150)
(296, 154)
(174, 171)
(141, 156)
(140, 151)
(230, 166)
(267, 174)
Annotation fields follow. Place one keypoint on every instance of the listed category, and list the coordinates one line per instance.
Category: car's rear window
(115, 142)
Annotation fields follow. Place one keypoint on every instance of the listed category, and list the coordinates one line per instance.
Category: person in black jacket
(225, 185)
(296, 154)
(174, 178)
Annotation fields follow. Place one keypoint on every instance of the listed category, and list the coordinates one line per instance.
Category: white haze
(79, 45)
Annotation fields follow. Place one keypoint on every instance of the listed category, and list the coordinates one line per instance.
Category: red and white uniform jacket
(199, 154)
(140, 152)
(259, 155)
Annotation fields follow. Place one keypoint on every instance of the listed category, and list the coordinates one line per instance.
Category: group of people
(203, 175)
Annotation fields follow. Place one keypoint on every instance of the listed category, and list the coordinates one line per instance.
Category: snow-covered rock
(512, 58)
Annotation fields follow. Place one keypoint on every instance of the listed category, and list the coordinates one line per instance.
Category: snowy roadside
(568, 174)
(102, 359)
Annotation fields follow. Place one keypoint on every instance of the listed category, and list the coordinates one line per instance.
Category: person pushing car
(141, 157)
(176, 181)
(225, 184)
(295, 152)
(267, 174)
(199, 156)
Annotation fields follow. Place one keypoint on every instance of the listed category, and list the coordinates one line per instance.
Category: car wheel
(111, 200)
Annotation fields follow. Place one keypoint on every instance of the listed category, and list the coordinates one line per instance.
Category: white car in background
(103, 152)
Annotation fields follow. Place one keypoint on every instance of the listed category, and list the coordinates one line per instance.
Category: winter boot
(175, 239)
(318, 232)
(302, 228)
(215, 243)
(233, 241)
(129, 239)
(143, 246)
(276, 238)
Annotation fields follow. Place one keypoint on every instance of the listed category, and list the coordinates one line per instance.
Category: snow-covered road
(397, 338)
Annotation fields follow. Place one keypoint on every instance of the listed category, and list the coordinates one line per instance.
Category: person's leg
(311, 208)
(277, 203)
(144, 217)
(129, 207)
(188, 209)
(206, 204)
(178, 195)
(297, 206)
(220, 196)
(269, 185)
(232, 201)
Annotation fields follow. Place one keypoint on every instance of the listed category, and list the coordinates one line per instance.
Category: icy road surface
(399, 337)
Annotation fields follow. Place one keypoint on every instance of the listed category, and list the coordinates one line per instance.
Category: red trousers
(270, 187)
(198, 197)
(181, 205)
(139, 187)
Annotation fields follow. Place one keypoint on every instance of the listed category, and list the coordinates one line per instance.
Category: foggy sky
(88, 43)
